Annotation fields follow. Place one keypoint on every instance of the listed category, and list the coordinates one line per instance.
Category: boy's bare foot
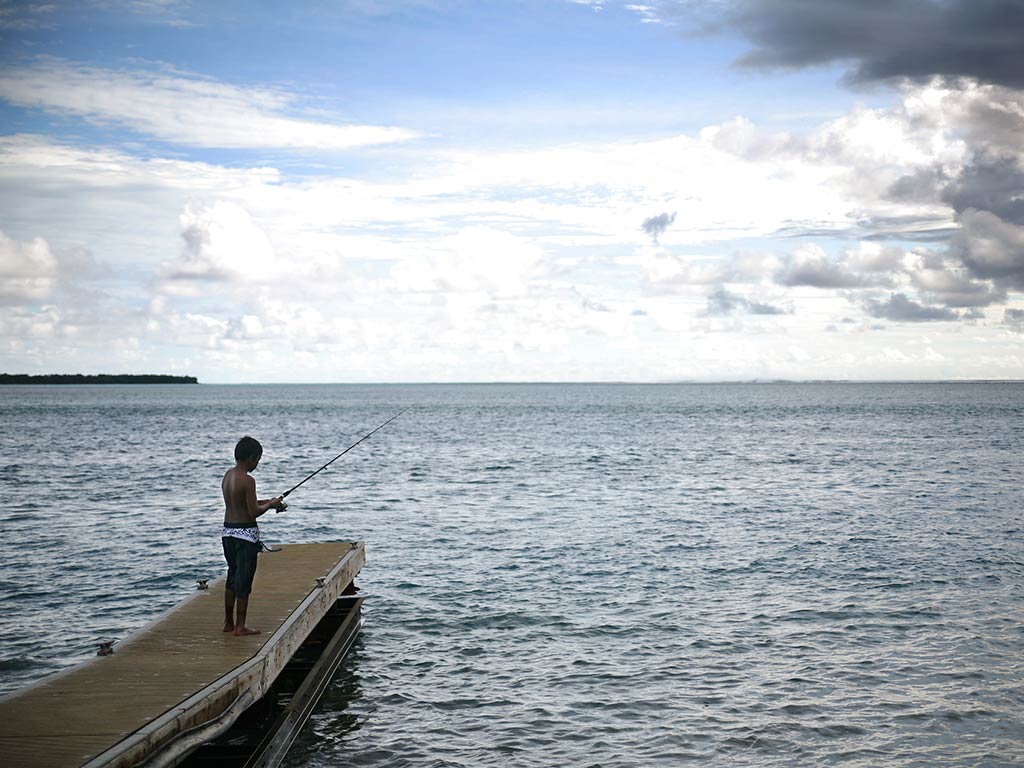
(239, 631)
(229, 628)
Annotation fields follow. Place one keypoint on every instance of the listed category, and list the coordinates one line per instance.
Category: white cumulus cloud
(222, 243)
(28, 270)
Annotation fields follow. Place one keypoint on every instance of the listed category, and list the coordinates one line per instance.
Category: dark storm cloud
(813, 268)
(986, 196)
(921, 228)
(990, 121)
(655, 226)
(976, 46)
(922, 186)
(990, 248)
(996, 119)
(822, 274)
(943, 279)
(888, 39)
(994, 184)
(1014, 319)
(960, 292)
(898, 308)
(722, 302)
(884, 229)
(969, 54)
(758, 308)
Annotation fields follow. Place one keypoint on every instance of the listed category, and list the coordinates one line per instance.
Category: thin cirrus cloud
(182, 109)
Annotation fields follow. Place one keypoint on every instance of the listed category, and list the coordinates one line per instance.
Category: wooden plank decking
(178, 672)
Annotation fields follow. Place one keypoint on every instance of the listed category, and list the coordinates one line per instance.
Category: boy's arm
(252, 504)
(264, 505)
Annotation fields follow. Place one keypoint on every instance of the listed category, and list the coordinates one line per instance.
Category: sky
(513, 190)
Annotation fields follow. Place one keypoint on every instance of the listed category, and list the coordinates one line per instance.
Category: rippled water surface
(569, 575)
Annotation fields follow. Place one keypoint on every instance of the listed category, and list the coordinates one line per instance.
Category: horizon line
(610, 382)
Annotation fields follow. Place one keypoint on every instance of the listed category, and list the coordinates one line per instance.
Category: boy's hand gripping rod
(325, 466)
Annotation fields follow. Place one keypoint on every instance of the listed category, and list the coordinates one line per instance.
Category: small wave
(800, 709)
(29, 596)
(508, 620)
(408, 585)
(839, 731)
(685, 547)
(956, 676)
(807, 614)
(790, 460)
(19, 663)
(949, 715)
(19, 517)
(756, 741)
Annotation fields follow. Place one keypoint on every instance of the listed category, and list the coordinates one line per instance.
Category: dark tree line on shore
(102, 378)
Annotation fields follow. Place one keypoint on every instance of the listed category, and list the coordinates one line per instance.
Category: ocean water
(568, 575)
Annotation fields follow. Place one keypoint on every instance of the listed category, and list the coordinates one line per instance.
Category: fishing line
(357, 442)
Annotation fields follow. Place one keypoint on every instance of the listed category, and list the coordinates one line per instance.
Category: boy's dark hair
(248, 448)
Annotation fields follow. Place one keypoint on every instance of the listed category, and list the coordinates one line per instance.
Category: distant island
(101, 378)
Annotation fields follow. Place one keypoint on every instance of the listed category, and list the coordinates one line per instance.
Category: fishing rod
(357, 442)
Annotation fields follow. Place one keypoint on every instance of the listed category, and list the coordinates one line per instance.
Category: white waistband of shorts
(248, 534)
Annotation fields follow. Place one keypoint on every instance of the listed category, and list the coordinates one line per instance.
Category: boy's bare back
(240, 504)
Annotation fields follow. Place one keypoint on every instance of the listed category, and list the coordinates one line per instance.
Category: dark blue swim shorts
(241, 557)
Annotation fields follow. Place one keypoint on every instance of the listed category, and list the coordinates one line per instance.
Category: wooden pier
(180, 679)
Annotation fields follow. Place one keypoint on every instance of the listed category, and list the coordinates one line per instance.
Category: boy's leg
(246, 563)
(229, 585)
(240, 627)
(229, 609)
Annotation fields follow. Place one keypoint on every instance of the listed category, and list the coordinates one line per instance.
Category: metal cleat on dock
(105, 648)
(202, 583)
(321, 582)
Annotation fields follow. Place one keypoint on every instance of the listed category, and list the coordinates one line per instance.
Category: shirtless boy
(241, 535)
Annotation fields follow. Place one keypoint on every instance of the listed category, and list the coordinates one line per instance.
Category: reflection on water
(337, 719)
